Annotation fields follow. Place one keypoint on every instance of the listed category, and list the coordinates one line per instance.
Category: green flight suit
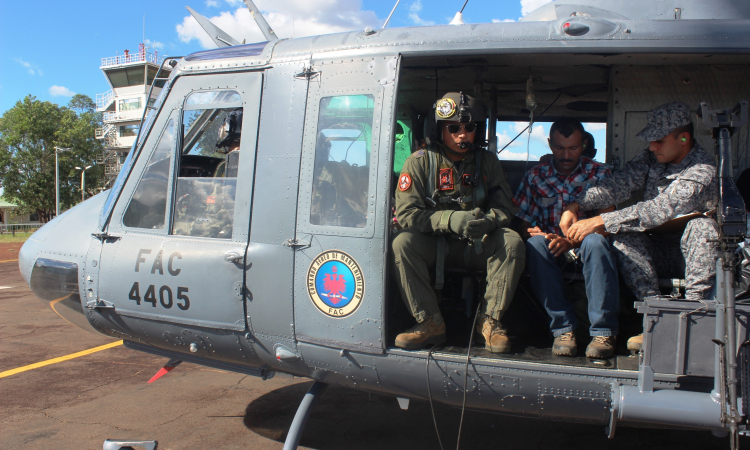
(415, 247)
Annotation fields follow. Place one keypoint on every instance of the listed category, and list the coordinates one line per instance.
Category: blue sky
(53, 50)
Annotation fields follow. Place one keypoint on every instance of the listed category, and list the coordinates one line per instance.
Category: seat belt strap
(432, 164)
(440, 263)
(480, 194)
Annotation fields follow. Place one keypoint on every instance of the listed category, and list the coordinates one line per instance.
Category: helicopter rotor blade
(219, 36)
(265, 28)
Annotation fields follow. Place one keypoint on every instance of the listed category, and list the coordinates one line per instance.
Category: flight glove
(459, 220)
(479, 225)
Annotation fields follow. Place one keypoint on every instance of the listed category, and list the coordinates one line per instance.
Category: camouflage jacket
(669, 190)
(453, 180)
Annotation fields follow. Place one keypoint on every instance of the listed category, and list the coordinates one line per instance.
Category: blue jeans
(600, 275)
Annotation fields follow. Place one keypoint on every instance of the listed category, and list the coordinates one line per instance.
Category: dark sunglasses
(454, 128)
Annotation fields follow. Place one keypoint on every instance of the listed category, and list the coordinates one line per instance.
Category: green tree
(82, 104)
(29, 133)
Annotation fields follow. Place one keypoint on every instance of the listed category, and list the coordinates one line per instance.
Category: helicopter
(222, 259)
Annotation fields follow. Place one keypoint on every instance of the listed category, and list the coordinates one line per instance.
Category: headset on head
(230, 130)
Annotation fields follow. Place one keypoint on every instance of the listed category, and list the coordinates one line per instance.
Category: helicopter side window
(342, 161)
(204, 199)
(148, 207)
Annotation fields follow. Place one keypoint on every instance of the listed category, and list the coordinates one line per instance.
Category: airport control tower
(130, 76)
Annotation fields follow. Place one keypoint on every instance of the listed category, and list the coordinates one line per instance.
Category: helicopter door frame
(178, 276)
(342, 216)
(269, 296)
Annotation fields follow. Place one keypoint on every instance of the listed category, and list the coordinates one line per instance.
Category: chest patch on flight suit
(404, 182)
(445, 179)
(466, 180)
(211, 199)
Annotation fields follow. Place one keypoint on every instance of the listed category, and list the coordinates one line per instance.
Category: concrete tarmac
(77, 404)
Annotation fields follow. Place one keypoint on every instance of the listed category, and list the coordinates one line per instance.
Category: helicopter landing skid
(303, 412)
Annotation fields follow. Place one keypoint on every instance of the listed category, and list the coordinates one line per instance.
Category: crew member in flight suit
(678, 178)
(455, 216)
(215, 207)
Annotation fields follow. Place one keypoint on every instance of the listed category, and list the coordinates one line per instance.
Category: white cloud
(212, 4)
(289, 18)
(32, 69)
(538, 133)
(516, 156)
(504, 20)
(154, 44)
(530, 5)
(61, 91)
(503, 139)
(414, 9)
(594, 126)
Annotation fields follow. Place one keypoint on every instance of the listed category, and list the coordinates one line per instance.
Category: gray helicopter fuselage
(249, 301)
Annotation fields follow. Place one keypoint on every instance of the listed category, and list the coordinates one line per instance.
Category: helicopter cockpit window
(342, 161)
(205, 193)
(148, 206)
(212, 97)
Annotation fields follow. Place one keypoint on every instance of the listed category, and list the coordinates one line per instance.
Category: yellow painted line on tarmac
(18, 370)
(10, 260)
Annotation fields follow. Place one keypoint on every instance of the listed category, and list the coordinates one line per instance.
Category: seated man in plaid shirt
(542, 197)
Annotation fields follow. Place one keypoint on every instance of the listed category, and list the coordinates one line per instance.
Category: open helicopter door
(180, 227)
(342, 217)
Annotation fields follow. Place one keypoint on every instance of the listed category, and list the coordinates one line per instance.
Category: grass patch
(8, 238)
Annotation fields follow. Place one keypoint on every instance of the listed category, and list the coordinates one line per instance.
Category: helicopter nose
(52, 260)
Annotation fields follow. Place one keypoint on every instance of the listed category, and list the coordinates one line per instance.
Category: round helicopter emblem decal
(445, 108)
(335, 283)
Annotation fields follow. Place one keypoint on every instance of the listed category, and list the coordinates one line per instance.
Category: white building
(130, 75)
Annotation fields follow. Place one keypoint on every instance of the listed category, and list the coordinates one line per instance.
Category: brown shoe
(601, 347)
(421, 335)
(565, 345)
(494, 335)
(635, 343)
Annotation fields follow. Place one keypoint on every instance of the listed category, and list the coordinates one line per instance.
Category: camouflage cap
(664, 119)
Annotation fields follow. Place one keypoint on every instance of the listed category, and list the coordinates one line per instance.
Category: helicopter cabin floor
(536, 349)
(526, 324)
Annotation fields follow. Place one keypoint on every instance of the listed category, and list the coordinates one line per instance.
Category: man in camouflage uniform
(678, 178)
(437, 204)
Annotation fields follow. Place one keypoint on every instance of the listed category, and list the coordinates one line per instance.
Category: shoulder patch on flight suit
(684, 190)
(404, 182)
(419, 153)
(445, 177)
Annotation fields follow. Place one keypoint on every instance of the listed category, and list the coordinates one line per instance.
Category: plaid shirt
(544, 192)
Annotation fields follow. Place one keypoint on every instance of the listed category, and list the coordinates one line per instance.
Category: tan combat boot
(635, 343)
(565, 345)
(495, 337)
(422, 335)
(601, 347)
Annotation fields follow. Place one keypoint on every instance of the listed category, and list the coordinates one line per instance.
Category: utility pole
(83, 181)
(57, 179)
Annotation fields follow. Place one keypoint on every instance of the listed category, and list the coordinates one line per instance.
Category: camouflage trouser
(414, 256)
(642, 258)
